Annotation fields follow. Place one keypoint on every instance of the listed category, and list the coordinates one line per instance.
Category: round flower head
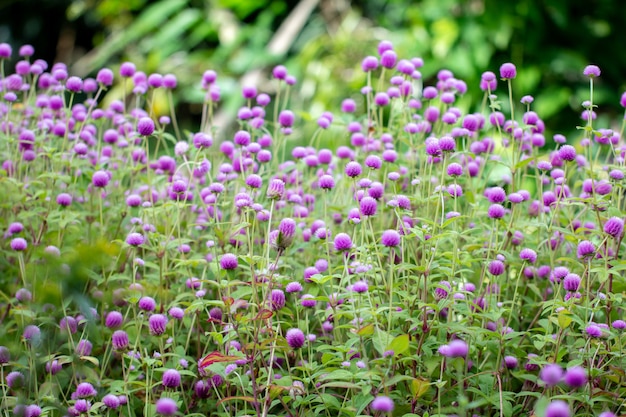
(617, 324)
(293, 287)
(614, 227)
(5, 356)
(585, 250)
(166, 407)
(360, 287)
(369, 63)
(567, 153)
(390, 238)
(558, 408)
(382, 403)
(85, 390)
(64, 199)
(286, 233)
(342, 242)
(551, 374)
(111, 401)
(591, 71)
(5, 51)
(496, 267)
(119, 340)
(457, 349)
(295, 338)
(496, 211)
(510, 362)
(100, 179)
(84, 347)
(286, 118)
(105, 77)
(528, 255)
(157, 323)
(15, 380)
(145, 126)
(326, 182)
(277, 300)
(571, 282)
(229, 261)
(147, 303)
(353, 169)
(171, 378)
(368, 206)
(508, 71)
(576, 377)
(276, 189)
(593, 330)
(19, 244)
(135, 239)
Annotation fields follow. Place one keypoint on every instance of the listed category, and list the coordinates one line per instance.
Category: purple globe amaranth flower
(593, 330)
(171, 378)
(145, 126)
(286, 233)
(360, 287)
(147, 303)
(105, 77)
(295, 338)
(308, 301)
(510, 362)
(157, 324)
(576, 377)
(342, 242)
(591, 71)
(617, 324)
(390, 238)
(166, 407)
(508, 71)
(496, 211)
(111, 401)
(229, 261)
(571, 282)
(277, 300)
(567, 153)
(458, 349)
(326, 182)
(100, 179)
(614, 227)
(135, 239)
(293, 287)
(119, 340)
(551, 374)
(558, 408)
(5, 355)
(276, 189)
(585, 250)
(64, 199)
(496, 267)
(286, 118)
(528, 255)
(368, 206)
(369, 63)
(15, 380)
(19, 244)
(353, 169)
(382, 403)
(84, 347)
(85, 390)
(442, 290)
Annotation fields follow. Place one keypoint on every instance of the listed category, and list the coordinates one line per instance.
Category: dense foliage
(444, 262)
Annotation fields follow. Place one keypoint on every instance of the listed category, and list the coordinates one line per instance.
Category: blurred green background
(322, 43)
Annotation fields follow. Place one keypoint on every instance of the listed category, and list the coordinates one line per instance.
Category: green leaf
(399, 344)
(564, 319)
